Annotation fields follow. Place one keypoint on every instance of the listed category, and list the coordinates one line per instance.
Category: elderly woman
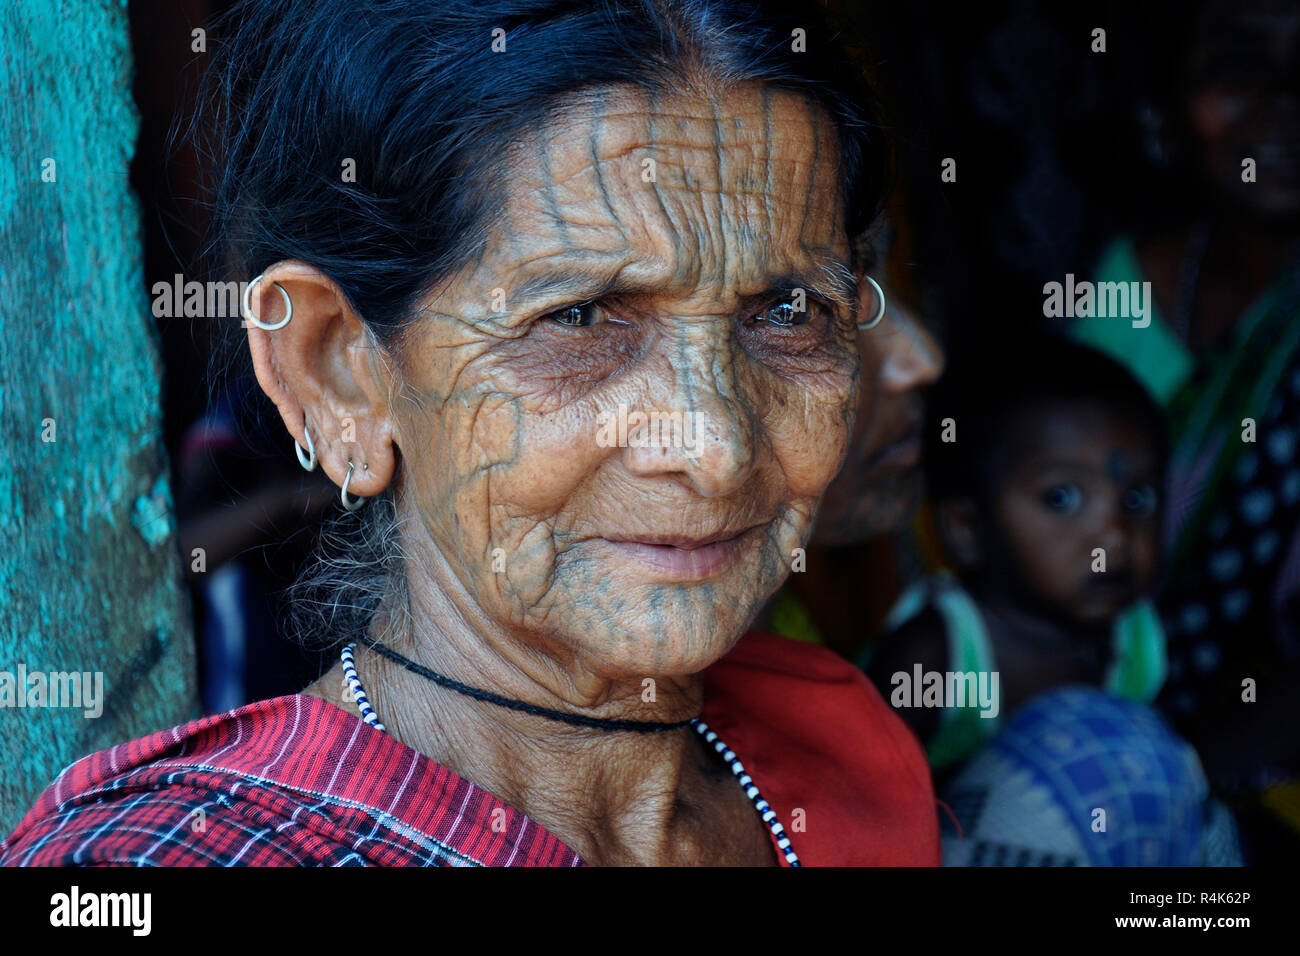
(481, 235)
(856, 547)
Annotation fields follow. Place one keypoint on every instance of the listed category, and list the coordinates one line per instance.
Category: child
(1045, 473)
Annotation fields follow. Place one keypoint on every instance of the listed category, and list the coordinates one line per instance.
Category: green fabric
(789, 618)
(1154, 354)
(1236, 383)
(1138, 665)
(962, 730)
(1207, 405)
(1136, 671)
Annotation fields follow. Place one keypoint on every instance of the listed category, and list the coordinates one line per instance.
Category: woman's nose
(913, 358)
(1114, 536)
(706, 435)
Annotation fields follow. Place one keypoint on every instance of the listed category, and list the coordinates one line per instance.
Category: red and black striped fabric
(295, 781)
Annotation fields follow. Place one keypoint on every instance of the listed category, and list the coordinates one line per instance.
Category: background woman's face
(880, 485)
(646, 263)
(1243, 102)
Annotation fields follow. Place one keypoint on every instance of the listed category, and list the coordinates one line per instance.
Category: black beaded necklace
(579, 720)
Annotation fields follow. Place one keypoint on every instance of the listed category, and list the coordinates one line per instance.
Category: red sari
(295, 781)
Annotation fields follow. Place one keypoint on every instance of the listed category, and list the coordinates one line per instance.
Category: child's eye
(783, 314)
(1066, 498)
(1140, 500)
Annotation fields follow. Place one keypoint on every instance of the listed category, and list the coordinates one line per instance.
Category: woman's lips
(685, 559)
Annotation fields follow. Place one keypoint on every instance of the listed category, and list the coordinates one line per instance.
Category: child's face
(1078, 476)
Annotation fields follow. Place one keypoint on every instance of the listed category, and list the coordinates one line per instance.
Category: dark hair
(413, 93)
(983, 392)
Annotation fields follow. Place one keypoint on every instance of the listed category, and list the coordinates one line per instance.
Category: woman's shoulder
(826, 752)
(812, 688)
(807, 674)
(786, 658)
(291, 781)
(148, 801)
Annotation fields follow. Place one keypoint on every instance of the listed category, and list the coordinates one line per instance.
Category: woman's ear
(325, 372)
(959, 524)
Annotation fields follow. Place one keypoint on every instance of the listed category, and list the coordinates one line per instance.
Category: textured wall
(89, 574)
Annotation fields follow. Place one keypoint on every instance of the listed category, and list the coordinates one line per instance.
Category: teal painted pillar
(90, 579)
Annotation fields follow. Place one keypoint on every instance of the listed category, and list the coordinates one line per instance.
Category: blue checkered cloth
(1081, 778)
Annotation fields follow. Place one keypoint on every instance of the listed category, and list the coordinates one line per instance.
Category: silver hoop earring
(308, 461)
(343, 492)
(248, 307)
(880, 310)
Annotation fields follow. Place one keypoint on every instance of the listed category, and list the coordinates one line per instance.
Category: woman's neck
(613, 796)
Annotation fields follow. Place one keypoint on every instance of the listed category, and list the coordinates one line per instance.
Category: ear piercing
(247, 309)
(308, 461)
(357, 502)
(880, 308)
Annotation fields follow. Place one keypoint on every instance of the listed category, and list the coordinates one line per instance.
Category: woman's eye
(1141, 500)
(1065, 498)
(784, 314)
(576, 316)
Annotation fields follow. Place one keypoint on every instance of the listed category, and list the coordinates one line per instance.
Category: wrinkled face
(1083, 477)
(618, 422)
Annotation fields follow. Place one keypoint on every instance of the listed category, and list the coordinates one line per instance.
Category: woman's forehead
(689, 192)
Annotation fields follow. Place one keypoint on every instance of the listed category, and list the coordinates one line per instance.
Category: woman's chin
(676, 644)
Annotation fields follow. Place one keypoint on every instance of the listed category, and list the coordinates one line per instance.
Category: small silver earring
(248, 307)
(308, 461)
(343, 492)
(880, 309)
